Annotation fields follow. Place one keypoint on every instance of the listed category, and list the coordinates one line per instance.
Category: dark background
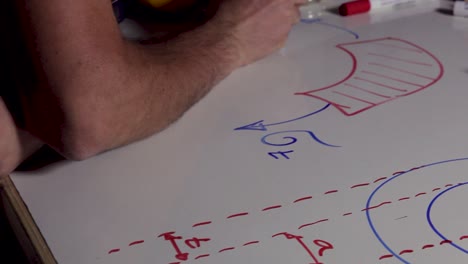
(10, 250)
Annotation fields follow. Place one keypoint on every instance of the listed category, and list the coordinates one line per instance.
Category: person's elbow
(81, 120)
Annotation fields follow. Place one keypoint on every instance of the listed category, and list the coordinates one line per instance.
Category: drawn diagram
(383, 70)
(454, 244)
(311, 233)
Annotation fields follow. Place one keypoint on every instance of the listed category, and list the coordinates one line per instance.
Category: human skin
(97, 91)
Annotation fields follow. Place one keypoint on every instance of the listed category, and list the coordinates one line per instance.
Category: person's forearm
(98, 92)
(164, 81)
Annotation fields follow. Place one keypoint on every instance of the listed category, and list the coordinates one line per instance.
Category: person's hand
(257, 27)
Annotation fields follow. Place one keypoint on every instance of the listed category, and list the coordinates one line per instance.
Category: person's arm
(15, 144)
(97, 91)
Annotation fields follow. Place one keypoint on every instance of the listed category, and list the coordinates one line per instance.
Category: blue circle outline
(429, 220)
(369, 200)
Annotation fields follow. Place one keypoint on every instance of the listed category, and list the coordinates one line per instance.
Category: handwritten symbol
(284, 154)
(260, 126)
(323, 245)
(291, 140)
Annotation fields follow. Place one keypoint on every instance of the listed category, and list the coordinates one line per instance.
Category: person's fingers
(297, 17)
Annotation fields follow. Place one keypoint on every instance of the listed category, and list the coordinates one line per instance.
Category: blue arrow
(321, 22)
(259, 126)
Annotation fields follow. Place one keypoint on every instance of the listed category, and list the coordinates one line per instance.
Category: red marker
(363, 6)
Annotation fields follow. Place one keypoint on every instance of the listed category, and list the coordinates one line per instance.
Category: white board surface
(351, 147)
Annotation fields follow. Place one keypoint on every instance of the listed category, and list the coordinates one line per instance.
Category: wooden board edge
(23, 225)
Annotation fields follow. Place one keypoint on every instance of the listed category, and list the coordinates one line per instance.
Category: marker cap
(355, 7)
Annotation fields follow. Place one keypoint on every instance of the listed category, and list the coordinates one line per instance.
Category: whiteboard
(347, 146)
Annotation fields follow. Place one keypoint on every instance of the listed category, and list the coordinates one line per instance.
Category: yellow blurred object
(157, 3)
(170, 5)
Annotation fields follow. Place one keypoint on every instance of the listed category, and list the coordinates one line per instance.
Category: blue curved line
(369, 200)
(429, 220)
(293, 139)
(299, 118)
(319, 21)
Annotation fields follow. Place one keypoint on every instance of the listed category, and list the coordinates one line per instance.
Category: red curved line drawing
(380, 179)
(400, 59)
(226, 249)
(400, 70)
(347, 214)
(316, 222)
(420, 194)
(436, 189)
(202, 224)
(406, 251)
(398, 47)
(202, 256)
(449, 185)
(445, 242)
(350, 105)
(377, 206)
(463, 237)
(237, 215)
(360, 185)
(303, 199)
(136, 243)
(350, 74)
(332, 191)
(404, 198)
(386, 256)
(115, 250)
(428, 246)
(251, 243)
(271, 208)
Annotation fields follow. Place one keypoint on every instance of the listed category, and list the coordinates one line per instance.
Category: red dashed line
(386, 256)
(251, 243)
(398, 172)
(446, 242)
(380, 179)
(271, 208)
(174, 263)
(303, 199)
(377, 206)
(406, 251)
(320, 221)
(202, 224)
(360, 185)
(136, 243)
(428, 246)
(202, 256)
(237, 215)
(226, 249)
(115, 250)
